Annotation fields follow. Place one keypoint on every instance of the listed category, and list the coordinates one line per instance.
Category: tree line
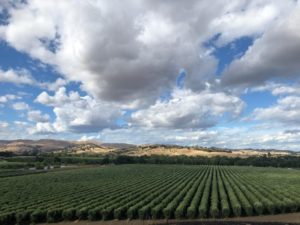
(259, 161)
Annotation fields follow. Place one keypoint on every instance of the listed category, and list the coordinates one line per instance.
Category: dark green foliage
(120, 213)
(144, 213)
(82, 213)
(234, 202)
(192, 210)
(107, 213)
(148, 192)
(181, 210)
(8, 219)
(258, 207)
(203, 209)
(94, 214)
(156, 212)
(214, 199)
(289, 161)
(13, 165)
(132, 212)
(54, 215)
(38, 216)
(69, 214)
(23, 217)
(225, 208)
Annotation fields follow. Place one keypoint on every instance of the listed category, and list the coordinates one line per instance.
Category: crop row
(144, 192)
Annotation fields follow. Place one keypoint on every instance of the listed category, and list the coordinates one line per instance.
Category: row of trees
(260, 161)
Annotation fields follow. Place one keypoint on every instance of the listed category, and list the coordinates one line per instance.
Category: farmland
(148, 192)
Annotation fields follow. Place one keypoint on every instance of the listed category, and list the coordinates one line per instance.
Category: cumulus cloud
(20, 124)
(275, 54)
(5, 4)
(59, 98)
(16, 77)
(132, 51)
(79, 113)
(42, 128)
(54, 86)
(127, 54)
(287, 110)
(37, 116)
(3, 125)
(187, 109)
(249, 18)
(8, 97)
(24, 77)
(279, 89)
(89, 137)
(19, 106)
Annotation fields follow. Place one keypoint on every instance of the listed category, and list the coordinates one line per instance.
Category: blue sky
(218, 78)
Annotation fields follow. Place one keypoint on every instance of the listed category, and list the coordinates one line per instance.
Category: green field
(148, 192)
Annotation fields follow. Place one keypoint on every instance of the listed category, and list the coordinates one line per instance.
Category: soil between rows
(280, 219)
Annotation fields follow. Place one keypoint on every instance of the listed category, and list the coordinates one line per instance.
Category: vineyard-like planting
(148, 192)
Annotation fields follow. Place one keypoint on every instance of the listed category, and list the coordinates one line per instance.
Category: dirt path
(282, 219)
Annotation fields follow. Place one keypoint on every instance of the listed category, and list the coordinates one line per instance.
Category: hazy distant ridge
(96, 147)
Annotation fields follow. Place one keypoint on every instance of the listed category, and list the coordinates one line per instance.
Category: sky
(173, 72)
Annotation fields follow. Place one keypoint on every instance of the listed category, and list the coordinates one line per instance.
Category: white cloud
(3, 125)
(265, 136)
(155, 29)
(77, 113)
(4, 5)
(42, 128)
(187, 109)
(249, 18)
(89, 137)
(279, 89)
(287, 110)
(8, 97)
(275, 54)
(126, 54)
(37, 116)
(144, 135)
(19, 106)
(24, 77)
(54, 86)
(138, 52)
(59, 98)
(21, 124)
(286, 90)
(16, 77)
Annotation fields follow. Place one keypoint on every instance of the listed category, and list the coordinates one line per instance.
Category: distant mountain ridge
(96, 147)
(21, 145)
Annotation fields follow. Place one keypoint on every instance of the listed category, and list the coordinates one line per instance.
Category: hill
(93, 147)
(42, 145)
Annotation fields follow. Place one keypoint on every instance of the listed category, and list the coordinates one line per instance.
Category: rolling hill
(93, 147)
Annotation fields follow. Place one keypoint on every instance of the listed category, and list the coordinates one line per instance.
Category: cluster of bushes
(14, 165)
(42, 215)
